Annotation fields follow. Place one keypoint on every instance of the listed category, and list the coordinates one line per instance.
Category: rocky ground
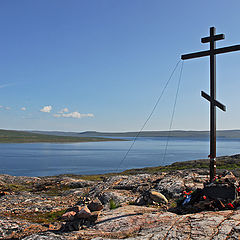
(141, 206)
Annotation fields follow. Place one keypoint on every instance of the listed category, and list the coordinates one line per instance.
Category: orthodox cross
(212, 98)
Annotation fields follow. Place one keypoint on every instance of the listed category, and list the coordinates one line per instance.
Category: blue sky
(78, 65)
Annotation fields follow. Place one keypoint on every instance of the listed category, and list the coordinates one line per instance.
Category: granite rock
(23, 206)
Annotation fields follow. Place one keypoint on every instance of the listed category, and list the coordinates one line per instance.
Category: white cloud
(23, 109)
(46, 109)
(3, 107)
(6, 85)
(74, 115)
(64, 110)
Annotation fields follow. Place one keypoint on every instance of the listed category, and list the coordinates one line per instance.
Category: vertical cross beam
(212, 52)
(212, 106)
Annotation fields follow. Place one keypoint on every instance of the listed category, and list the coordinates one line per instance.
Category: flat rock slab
(140, 223)
(143, 223)
(45, 236)
(14, 229)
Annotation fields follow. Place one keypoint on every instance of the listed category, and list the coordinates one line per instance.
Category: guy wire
(150, 115)
(173, 113)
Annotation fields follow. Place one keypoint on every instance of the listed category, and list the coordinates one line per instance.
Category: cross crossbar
(208, 52)
(215, 102)
(213, 38)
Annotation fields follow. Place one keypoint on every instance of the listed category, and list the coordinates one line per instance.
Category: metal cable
(174, 108)
(150, 115)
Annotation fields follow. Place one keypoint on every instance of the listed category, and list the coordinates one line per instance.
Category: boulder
(172, 186)
(84, 213)
(69, 216)
(76, 209)
(118, 198)
(158, 197)
(94, 216)
(95, 205)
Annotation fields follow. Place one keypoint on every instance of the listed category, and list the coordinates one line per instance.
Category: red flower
(204, 197)
(184, 192)
(238, 189)
(230, 205)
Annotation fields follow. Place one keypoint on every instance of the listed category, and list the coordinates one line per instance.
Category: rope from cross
(212, 98)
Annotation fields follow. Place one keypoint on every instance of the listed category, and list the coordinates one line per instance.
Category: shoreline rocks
(141, 208)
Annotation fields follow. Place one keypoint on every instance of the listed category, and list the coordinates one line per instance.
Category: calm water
(45, 159)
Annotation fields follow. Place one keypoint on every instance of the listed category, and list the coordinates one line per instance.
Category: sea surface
(46, 159)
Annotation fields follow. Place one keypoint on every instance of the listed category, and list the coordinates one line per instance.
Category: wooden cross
(212, 98)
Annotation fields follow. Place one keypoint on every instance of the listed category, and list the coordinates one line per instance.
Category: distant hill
(177, 133)
(11, 136)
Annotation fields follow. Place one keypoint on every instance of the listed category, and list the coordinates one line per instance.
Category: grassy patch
(228, 163)
(50, 217)
(57, 191)
(113, 204)
(40, 217)
(97, 177)
(16, 187)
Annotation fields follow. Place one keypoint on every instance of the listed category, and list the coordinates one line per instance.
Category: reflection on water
(44, 159)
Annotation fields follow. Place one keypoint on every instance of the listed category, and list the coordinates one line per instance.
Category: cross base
(223, 187)
(220, 192)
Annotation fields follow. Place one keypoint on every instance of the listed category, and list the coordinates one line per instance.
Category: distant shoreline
(175, 133)
(12, 136)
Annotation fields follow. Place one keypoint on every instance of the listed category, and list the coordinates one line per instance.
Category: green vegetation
(229, 163)
(56, 190)
(39, 217)
(97, 177)
(16, 187)
(10, 136)
(48, 217)
(223, 163)
(113, 204)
